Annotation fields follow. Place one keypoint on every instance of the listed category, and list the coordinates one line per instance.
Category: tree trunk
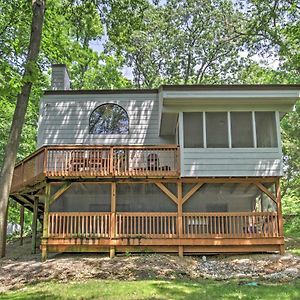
(38, 10)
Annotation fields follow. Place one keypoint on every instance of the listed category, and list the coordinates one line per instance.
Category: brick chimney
(60, 79)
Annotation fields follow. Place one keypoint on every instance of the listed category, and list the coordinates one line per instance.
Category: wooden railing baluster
(163, 225)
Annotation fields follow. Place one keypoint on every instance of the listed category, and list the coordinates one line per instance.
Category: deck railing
(98, 161)
(163, 225)
(76, 225)
(29, 170)
(153, 225)
(241, 224)
(120, 161)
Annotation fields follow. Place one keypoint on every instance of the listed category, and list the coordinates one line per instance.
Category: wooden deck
(97, 161)
(160, 232)
(115, 231)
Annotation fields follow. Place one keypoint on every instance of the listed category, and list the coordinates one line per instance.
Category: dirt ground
(20, 267)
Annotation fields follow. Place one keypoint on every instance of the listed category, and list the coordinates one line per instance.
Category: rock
(292, 272)
(286, 258)
(204, 258)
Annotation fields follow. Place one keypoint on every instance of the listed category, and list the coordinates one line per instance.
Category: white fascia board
(238, 94)
(235, 100)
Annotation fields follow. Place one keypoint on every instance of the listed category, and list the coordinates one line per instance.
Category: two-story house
(185, 168)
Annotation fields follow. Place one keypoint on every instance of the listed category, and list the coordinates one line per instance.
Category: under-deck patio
(163, 232)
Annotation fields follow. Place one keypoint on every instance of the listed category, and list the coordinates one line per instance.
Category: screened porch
(163, 213)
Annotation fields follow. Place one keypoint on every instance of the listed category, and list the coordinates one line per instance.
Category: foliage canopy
(196, 41)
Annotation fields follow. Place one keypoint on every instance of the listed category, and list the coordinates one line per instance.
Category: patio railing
(98, 161)
(162, 225)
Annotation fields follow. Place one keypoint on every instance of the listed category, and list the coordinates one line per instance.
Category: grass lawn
(295, 251)
(155, 289)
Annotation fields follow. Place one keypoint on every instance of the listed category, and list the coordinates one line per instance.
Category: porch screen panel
(193, 129)
(241, 129)
(235, 197)
(143, 198)
(217, 130)
(266, 129)
(83, 197)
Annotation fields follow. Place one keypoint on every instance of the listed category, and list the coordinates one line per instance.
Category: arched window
(109, 119)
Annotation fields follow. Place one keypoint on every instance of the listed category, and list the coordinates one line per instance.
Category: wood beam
(164, 189)
(20, 201)
(29, 189)
(21, 224)
(26, 200)
(113, 205)
(192, 191)
(279, 212)
(179, 216)
(46, 221)
(63, 189)
(34, 225)
(266, 191)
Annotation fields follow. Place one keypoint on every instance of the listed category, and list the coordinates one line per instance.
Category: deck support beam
(21, 224)
(46, 222)
(279, 213)
(266, 191)
(34, 225)
(112, 250)
(192, 191)
(179, 216)
(163, 188)
(62, 189)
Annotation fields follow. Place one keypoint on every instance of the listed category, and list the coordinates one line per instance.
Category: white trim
(277, 119)
(181, 142)
(229, 129)
(254, 130)
(204, 129)
(254, 95)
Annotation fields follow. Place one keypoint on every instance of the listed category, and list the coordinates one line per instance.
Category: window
(109, 119)
(193, 129)
(266, 129)
(241, 129)
(217, 130)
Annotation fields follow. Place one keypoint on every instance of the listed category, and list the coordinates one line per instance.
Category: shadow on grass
(154, 289)
(225, 290)
(28, 295)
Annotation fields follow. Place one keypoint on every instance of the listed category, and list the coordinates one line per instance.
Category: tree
(30, 74)
(181, 42)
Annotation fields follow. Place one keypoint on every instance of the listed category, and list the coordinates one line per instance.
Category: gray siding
(232, 162)
(235, 162)
(64, 119)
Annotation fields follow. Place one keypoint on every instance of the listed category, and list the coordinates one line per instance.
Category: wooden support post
(34, 224)
(46, 221)
(21, 224)
(179, 216)
(111, 161)
(113, 217)
(279, 213)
